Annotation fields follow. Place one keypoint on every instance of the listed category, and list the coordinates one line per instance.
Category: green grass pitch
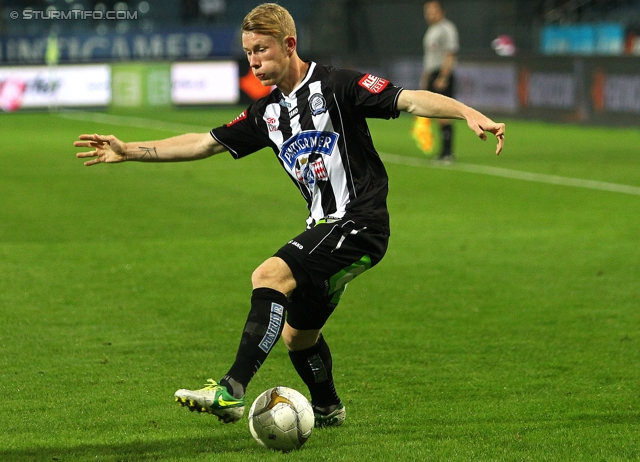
(503, 324)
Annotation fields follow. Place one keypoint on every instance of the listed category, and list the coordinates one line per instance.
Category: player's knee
(259, 275)
(274, 274)
(296, 340)
(264, 276)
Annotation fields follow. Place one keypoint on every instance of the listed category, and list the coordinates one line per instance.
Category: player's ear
(290, 43)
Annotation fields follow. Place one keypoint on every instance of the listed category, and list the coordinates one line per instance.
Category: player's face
(432, 12)
(268, 58)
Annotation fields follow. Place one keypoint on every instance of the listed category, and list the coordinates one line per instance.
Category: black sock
(447, 139)
(261, 332)
(314, 365)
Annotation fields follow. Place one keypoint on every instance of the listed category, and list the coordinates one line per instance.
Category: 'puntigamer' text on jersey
(320, 135)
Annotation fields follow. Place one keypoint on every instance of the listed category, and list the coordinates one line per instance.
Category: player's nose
(254, 62)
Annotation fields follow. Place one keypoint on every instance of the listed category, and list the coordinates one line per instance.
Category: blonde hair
(270, 19)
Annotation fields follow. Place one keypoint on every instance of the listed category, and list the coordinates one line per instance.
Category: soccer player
(315, 123)
(440, 45)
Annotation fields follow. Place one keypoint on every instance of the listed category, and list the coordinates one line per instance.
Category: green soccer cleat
(334, 418)
(214, 399)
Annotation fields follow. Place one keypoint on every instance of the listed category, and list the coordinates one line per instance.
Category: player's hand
(106, 148)
(481, 124)
(441, 83)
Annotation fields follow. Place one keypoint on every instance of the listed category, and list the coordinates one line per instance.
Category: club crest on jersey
(317, 104)
(307, 142)
(309, 172)
(319, 170)
(373, 84)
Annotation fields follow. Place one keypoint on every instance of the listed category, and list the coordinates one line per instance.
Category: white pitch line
(138, 122)
(391, 158)
(514, 174)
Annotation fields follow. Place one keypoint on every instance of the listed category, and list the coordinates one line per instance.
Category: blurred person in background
(440, 44)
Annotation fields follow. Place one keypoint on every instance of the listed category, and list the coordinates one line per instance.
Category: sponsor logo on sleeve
(373, 84)
(238, 119)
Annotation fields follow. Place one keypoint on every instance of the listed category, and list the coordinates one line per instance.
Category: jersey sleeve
(451, 39)
(240, 136)
(374, 96)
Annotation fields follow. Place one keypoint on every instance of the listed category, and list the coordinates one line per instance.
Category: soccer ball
(281, 418)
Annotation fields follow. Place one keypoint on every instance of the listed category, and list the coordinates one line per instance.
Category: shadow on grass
(135, 451)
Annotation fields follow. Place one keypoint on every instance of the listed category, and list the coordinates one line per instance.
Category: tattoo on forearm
(148, 152)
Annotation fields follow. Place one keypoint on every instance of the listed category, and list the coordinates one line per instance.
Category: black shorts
(448, 90)
(323, 260)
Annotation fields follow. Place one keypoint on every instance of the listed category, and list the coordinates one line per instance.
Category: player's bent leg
(272, 281)
(274, 274)
(261, 332)
(311, 357)
(213, 399)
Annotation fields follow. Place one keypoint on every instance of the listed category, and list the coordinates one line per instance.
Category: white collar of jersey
(292, 95)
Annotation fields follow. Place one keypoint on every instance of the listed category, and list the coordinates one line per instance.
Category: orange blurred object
(252, 86)
(422, 133)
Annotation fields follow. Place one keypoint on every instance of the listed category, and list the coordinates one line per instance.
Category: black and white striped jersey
(321, 138)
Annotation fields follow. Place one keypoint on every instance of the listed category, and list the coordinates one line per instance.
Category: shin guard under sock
(261, 332)
(314, 366)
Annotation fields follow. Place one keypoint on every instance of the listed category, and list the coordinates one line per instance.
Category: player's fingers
(500, 144)
(91, 162)
(82, 155)
(85, 144)
(97, 138)
(499, 132)
(92, 137)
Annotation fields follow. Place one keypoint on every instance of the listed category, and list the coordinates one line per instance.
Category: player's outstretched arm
(109, 149)
(427, 104)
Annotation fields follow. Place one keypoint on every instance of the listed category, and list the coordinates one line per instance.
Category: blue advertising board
(183, 44)
(583, 39)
